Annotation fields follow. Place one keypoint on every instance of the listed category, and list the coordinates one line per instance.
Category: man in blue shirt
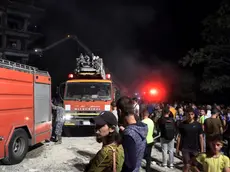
(134, 135)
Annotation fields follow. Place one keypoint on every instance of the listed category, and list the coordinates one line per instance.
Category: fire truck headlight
(67, 117)
(107, 107)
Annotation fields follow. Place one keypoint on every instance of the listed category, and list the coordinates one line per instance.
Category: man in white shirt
(209, 108)
(114, 109)
(136, 107)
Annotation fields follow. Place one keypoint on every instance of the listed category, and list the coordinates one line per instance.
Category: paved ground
(70, 156)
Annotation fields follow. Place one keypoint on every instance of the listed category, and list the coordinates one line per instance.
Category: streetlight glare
(38, 50)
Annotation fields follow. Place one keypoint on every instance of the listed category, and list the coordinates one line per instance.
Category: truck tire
(17, 148)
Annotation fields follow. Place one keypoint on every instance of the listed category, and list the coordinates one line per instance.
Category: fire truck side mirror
(116, 93)
(61, 91)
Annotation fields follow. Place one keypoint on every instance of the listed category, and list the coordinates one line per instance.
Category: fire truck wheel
(18, 147)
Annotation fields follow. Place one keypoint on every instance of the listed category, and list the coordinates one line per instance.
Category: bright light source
(136, 94)
(153, 91)
(70, 75)
(38, 50)
(67, 117)
(108, 76)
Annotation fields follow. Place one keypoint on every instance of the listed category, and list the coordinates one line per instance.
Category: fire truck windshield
(88, 91)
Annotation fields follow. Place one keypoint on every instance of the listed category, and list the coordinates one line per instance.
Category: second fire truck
(88, 91)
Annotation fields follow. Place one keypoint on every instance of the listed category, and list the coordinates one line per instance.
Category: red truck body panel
(17, 106)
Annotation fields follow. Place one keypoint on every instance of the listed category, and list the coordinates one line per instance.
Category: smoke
(125, 64)
(135, 73)
(110, 30)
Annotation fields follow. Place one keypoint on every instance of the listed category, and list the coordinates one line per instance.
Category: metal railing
(20, 67)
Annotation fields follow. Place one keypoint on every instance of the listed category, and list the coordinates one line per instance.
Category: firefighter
(58, 122)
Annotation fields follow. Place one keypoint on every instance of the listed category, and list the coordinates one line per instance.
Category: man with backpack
(167, 129)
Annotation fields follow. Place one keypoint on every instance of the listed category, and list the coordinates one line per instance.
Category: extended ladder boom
(69, 37)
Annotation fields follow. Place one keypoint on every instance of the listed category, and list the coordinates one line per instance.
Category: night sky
(138, 40)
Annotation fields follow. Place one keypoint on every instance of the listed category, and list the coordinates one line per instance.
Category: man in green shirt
(149, 138)
(203, 117)
(111, 156)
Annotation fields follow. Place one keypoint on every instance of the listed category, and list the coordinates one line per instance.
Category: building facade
(16, 31)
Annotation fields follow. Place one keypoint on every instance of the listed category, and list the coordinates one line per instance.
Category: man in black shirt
(190, 140)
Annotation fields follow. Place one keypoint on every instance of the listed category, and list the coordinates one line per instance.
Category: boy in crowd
(213, 160)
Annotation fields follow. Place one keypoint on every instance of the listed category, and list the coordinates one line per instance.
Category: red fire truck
(25, 110)
(88, 91)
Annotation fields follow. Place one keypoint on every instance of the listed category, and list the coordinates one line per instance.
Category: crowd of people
(127, 136)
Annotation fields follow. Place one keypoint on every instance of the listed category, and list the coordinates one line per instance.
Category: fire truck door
(42, 103)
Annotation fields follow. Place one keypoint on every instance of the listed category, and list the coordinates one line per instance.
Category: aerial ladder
(40, 51)
(88, 64)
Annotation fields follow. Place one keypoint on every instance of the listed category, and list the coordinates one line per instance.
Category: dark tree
(214, 57)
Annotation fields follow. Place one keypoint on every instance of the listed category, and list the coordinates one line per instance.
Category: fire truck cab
(25, 109)
(88, 91)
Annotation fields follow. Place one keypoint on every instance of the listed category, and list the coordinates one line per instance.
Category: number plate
(86, 122)
(69, 123)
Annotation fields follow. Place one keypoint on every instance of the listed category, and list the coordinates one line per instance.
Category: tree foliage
(215, 55)
(184, 87)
